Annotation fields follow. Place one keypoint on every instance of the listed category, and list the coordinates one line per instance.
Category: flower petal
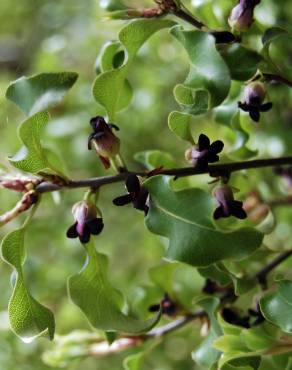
(122, 200)
(72, 232)
(133, 184)
(217, 146)
(265, 107)
(85, 237)
(95, 226)
(218, 213)
(254, 114)
(237, 210)
(203, 142)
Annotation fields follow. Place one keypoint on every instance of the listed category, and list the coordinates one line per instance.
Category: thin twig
(215, 170)
(261, 276)
(277, 78)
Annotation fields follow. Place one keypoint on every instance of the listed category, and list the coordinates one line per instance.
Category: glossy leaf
(185, 218)
(33, 157)
(40, 92)
(109, 86)
(242, 62)
(205, 355)
(208, 81)
(92, 292)
(28, 318)
(179, 123)
(277, 306)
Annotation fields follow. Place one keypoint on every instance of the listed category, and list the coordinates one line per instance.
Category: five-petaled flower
(167, 306)
(254, 96)
(241, 17)
(203, 153)
(137, 194)
(227, 205)
(105, 143)
(86, 221)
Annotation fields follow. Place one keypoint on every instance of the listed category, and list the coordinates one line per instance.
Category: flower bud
(241, 17)
(254, 95)
(86, 221)
(105, 143)
(204, 152)
(227, 205)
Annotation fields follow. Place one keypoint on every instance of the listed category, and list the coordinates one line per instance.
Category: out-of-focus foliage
(38, 36)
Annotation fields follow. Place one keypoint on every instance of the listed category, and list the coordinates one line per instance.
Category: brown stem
(261, 276)
(277, 78)
(215, 170)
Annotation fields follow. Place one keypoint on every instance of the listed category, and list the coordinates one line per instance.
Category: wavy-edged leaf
(185, 218)
(40, 92)
(274, 63)
(277, 306)
(208, 81)
(205, 355)
(179, 123)
(109, 86)
(92, 292)
(28, 318)
(32, 157)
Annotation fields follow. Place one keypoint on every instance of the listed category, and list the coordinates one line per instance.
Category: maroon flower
(137, 195)
(105, 143)
(286, 173)
(167, 306)
(86, 222)
(241, 17)
(203, 153)
(227, 205)
(254, 96)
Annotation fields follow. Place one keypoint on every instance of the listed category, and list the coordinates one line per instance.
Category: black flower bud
(241, 17)
(254, 96)
(105, 143)
(227, 205)
(203, 153)
(86, 221)
(167, 306)
(137, 195)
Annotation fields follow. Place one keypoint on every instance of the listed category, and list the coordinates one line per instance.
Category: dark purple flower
(254, 96)
(227, 205)
(105, 143)
(203, 153)
(167, 306)
(137, 194)
(241, 17)
(86, 222)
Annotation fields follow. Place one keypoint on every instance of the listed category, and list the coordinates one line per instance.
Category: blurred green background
(67, 35)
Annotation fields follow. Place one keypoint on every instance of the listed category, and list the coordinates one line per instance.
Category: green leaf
(109, 86)
(271, 36)
(179, 123)
(134, 362)
(91, 291)
(152, 159)
(242, 62)
(28, 318)
(163, 276)
(205, 354)
(40, 92)
(33, 157)
(185, 218)
(208, 81)
(277, 306)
